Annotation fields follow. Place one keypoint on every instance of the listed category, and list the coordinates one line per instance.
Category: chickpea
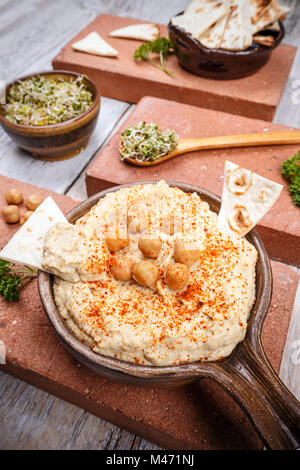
(146, 273)
(150, 247)
(25, 216)
(11, 214)
(14, 196)
(177, 276)
(121, 267)
(116, 243)
(183, 253)
(33, 201)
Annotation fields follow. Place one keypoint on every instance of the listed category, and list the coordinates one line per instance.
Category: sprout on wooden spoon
(146, 142)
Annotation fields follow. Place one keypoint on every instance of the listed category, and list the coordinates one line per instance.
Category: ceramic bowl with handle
(246, 374)
(57, 141)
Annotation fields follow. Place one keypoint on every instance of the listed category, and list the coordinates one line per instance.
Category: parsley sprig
(161, 46)
(11, 280)
(291, 171)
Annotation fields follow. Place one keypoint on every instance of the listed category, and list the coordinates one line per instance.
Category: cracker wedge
(273, 13)
(95, 44)
(26, 246)
(141, 32)
(201, 19)
(238, 32)
(246, 198)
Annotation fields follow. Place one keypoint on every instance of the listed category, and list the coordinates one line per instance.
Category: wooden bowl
(58, 141)
(246, 374)
(217, 63)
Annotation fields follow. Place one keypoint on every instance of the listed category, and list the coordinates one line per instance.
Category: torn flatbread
(246, 198)
(198, 22)
(94, 44)
(26, 246)
(141, 32)
(238, 33)
(213, 37)
(270, 16)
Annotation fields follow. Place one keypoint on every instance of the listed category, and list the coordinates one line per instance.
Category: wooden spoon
(226, 141)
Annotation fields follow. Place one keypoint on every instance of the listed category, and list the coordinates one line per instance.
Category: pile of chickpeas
(146, 272)
(14, 198)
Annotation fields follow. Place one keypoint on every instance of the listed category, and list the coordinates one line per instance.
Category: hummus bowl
(246, 373)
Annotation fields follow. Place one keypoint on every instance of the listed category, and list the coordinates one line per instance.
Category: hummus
(153, 326)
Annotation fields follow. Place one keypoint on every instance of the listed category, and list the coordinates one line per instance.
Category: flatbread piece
(246, 198)
(141, 32)
(273, 13)
(213, 37)
(198, 22)
(26, 246)
(238, 32)
(94, 44)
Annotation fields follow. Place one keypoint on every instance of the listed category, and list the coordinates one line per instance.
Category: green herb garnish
(291, 171)
(161, 46)
(146, 142)
(43, 101)
(11, 280)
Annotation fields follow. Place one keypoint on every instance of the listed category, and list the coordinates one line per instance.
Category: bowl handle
(272, 409)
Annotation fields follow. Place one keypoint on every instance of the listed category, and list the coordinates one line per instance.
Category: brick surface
(123, 79)
(196, 416)
(280, 228)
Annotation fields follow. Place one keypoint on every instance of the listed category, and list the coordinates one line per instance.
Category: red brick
(123, 79)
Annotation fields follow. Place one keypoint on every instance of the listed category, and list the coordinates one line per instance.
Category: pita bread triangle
(213, 37)
(94, 44)
(196, 4)
(246, 198)
(26, 246)
(198, 22)
(141, 32)
(272, 14)
(238, 32)
(258, 8)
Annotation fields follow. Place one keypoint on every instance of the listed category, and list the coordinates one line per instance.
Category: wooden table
(31, 33)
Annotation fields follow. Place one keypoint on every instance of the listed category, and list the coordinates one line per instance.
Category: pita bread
(267, 41)
(196, 4)
(238, 33)
(26, 246)
(94, 44)
(274, 27)
(246, 198)
(258, 8)
(141, 32)
(270, 16)
(201, 20)
(213, 37)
